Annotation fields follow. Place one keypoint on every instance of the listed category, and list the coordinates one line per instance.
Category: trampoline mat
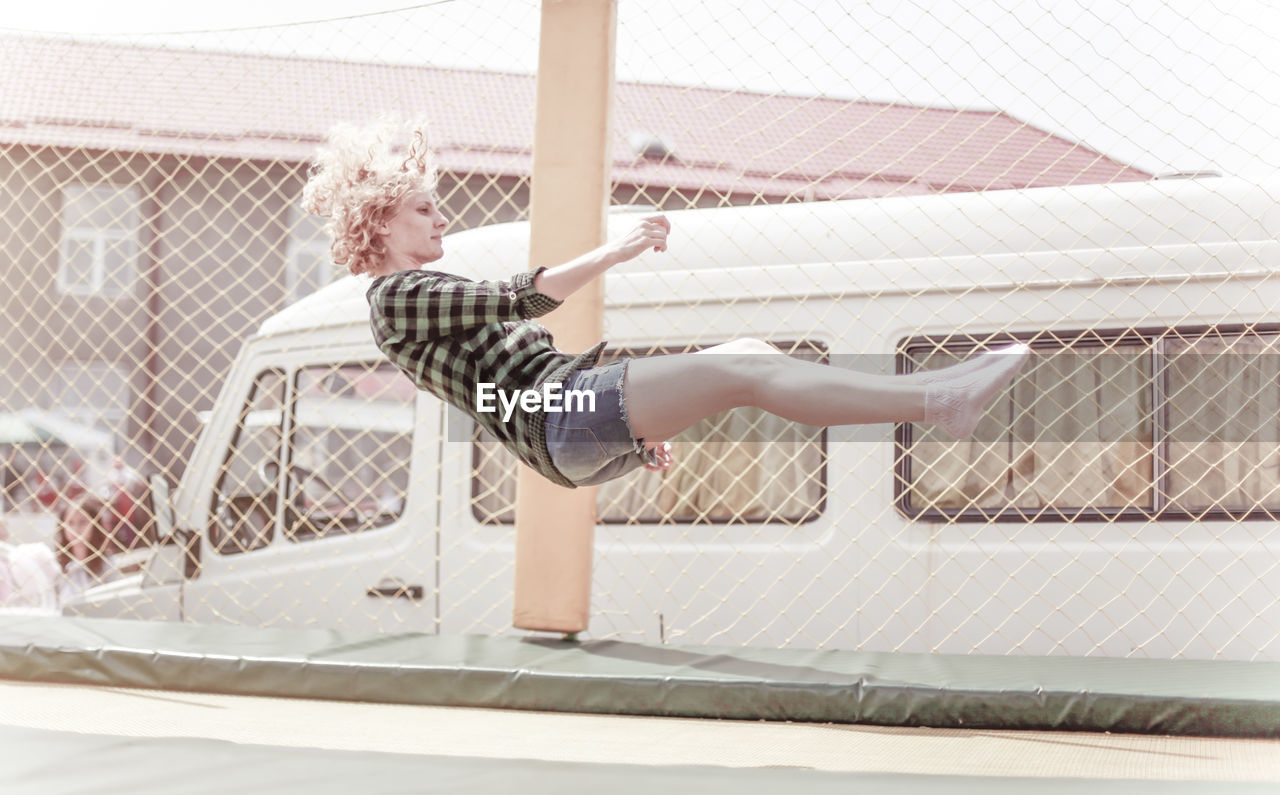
(84, 738)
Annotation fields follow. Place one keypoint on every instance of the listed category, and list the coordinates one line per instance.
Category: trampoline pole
(569, 201)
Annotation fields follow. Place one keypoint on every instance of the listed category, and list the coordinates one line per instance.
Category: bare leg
(666, 394)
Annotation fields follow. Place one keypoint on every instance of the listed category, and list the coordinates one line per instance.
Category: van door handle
(395, 589)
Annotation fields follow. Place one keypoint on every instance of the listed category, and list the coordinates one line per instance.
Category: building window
(309, 262)
(98, 251)
(1175, 423)
(743, 466)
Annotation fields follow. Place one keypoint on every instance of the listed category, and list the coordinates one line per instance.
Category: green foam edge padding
(1192, 697)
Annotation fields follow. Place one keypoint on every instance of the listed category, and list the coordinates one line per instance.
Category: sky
(1164, 85)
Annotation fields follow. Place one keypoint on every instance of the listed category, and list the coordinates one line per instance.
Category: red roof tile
(66, 93)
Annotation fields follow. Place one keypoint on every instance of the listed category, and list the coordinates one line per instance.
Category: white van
(325, 491)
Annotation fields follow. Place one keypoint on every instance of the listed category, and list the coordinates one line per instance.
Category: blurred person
(61, 483)
(127, 518)
(475, 345)
(29, 575)
(83, 547)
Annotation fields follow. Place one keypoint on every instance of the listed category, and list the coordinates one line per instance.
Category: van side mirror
(161, 508)
(177, 551)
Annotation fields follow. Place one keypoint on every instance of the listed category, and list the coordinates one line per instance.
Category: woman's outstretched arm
(564, 280)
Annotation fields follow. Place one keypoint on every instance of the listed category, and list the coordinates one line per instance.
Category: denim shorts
(591, 447)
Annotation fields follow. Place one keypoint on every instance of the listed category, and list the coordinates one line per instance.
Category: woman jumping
(475, 345)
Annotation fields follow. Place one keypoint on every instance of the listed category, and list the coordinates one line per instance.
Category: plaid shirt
(449, 334)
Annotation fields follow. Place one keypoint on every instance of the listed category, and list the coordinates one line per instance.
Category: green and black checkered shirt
(449, 334)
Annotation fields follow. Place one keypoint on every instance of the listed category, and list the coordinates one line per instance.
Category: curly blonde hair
(358, 180)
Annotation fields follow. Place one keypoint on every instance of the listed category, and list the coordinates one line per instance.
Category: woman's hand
(564, 280)
(650, 233)
(659, 453)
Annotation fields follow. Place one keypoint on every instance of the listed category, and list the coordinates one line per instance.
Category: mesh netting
(955, 179)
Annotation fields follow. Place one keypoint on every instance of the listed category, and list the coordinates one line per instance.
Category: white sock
(956, 404)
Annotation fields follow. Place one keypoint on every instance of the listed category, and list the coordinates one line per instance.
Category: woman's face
(414, 235)
(79, 525)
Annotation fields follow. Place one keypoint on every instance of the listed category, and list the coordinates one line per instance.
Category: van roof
(1125, 214)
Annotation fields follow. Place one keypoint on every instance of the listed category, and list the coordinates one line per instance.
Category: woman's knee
(742, 345)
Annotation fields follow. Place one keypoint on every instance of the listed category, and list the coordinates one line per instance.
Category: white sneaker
(956, 403)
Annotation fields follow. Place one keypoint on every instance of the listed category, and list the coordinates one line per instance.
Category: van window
(739, 467)
(245, 497)
(1130, 425)
(349, 449)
